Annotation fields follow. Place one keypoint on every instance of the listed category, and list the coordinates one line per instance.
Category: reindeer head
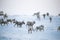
(33, 22)
(23, 22)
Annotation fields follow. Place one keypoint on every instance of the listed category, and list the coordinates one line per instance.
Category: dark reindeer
(50, 18)
(2, 22)
(40, 28)
(5, 15)
(44, 16)
(10, 20)
(58, 14)
(58, 28)
(37, 14)
(19, 23)
(30, 30)
(47, 14)
(1, 13)
(30, 26)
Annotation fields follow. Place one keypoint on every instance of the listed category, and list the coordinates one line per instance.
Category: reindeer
(1, 13)
(30, 30)
(47, 14)
(2, 22)
(44, 16)
(58, 14)
(37, 14)
(10, 20)
(58, 28)
(19, 23)
(50, 18)
(5, 16)
(30, 26)
(40, 28)
(29, 23)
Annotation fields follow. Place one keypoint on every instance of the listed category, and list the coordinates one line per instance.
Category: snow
(9, 32)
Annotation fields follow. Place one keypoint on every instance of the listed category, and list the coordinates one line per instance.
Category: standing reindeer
(47, 14)
(30, 26)
(5, 16)
(40, 28)
(1, 13)
(58, 14)
(44, 16)
(2, 22)
(50, 18)
(19, 23)
(10, 20)
(58, 28)
(37, 14)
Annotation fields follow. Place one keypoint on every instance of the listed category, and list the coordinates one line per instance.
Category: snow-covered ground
(9, 32)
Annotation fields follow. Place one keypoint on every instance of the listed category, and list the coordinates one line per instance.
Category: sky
(29, 7)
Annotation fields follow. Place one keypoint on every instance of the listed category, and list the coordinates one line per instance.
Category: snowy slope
(9, 32)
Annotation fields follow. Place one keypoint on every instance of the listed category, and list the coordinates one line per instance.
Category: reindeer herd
(44, 15)
(30, 24)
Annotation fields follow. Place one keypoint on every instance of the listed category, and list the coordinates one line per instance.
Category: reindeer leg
(28, 31)
(4, 24)
(43, 29)
(17, 25)
(20, 25)
(1, 24)
(14, 25)
(31, 31)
